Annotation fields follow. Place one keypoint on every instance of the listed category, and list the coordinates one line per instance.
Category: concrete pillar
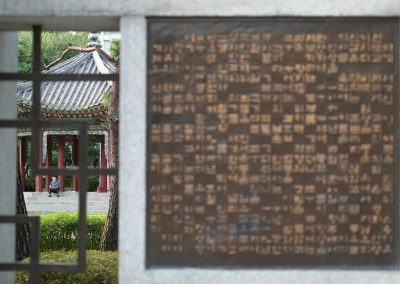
(132, 149)
(8, 150)
(61, 156)
(49, 156)
(39, 179)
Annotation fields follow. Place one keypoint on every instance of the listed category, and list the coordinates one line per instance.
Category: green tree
(23, 231)
(109, 239)
(53, 44)
(115, 48)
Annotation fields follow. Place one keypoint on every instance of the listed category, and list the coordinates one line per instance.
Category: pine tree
(23, 232)
(109, 239)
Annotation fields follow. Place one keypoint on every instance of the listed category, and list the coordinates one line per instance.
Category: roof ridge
(71, 62)
(99, 63)
(76, 95)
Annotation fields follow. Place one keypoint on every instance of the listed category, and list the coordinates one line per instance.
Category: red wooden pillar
(49, 156)
(109, 162)
(61, 155)
(22, 160)
(103, 164)
(39, 180)
(75, 157)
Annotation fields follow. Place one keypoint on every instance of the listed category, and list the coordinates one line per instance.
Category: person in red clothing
(54, 186)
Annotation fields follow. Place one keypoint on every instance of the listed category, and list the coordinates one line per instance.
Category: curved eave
(72, 98)
(93, 112)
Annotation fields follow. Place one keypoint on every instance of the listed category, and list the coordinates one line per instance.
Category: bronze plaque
(272, 142)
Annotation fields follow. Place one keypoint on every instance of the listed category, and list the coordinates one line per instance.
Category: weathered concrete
(132, 120)
(8, 143)
(103, 15)
(199, 8)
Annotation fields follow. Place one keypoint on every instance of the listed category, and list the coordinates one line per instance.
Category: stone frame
(131, 16)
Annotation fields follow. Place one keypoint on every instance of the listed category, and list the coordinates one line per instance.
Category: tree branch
(68, 50)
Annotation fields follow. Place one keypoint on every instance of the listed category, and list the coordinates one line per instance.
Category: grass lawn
(102, 268)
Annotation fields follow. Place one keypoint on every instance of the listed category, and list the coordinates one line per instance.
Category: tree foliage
(115, 48)
(53, 44)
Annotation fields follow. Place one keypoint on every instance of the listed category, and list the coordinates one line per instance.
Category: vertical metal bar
(37, 32)
(35, 116)
(36, 163)
(34, 275)
(82, 180)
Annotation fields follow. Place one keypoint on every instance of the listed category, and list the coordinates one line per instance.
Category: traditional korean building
(72, 99)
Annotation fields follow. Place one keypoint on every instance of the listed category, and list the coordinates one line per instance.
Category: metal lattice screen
(35, 123)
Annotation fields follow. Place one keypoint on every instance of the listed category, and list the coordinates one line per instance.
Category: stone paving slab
(38, 203)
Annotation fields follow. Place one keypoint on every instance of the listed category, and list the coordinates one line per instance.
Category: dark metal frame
(82, 172)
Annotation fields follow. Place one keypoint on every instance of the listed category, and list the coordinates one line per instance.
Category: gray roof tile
(73, 95)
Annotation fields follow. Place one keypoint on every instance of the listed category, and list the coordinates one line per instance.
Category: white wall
(106, 38)
(8, 144)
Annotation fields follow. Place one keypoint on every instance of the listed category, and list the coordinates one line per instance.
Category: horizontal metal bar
(9, 266)
(41, 267)
(79, 77)
(75, 171)
(17, 76)
(19, 219)
(70, 123)
(58, 77)
(5, 266)
(15, 124)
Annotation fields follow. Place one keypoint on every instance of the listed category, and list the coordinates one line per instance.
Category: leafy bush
(102, 268)
(60, 231)
(93, 183)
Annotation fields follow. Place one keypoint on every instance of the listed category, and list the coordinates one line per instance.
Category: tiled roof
(72, 96)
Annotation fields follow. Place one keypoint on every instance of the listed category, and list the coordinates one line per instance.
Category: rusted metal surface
(272, 142)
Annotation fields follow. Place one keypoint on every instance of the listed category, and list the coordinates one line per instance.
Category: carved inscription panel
(272, 142)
